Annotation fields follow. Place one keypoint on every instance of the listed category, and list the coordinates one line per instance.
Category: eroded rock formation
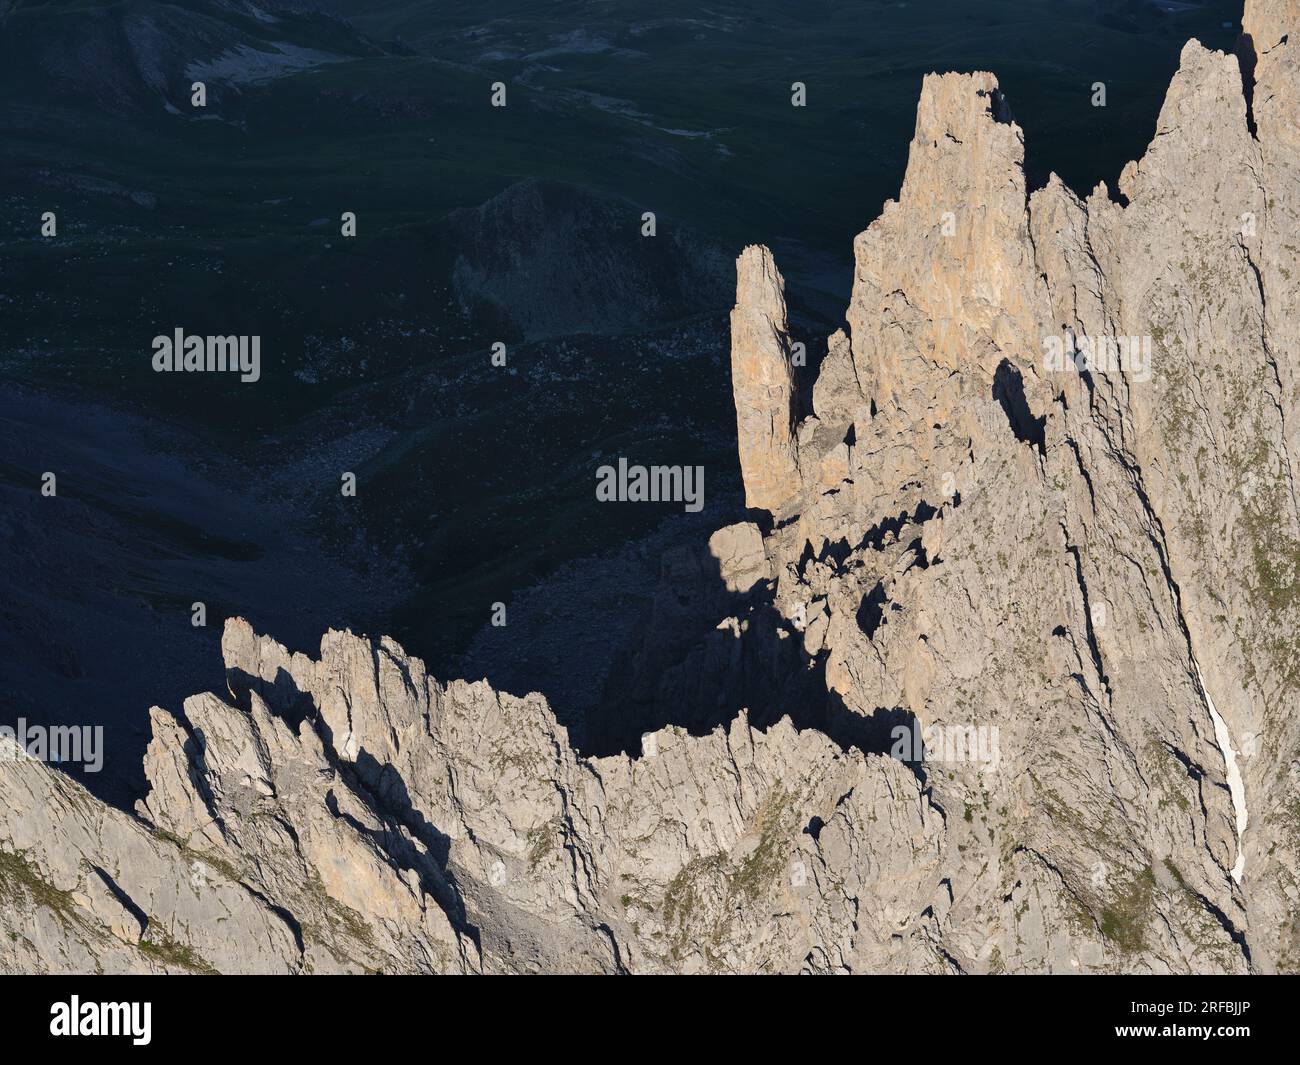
(1071, 568)
(762, 381)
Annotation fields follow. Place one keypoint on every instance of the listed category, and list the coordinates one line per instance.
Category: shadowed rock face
(545, 259)
(1061, 578)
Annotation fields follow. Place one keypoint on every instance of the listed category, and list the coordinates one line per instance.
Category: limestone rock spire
(763, 383)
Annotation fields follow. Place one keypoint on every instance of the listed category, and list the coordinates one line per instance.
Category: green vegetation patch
(1124, 919)
(166, 950)
(20, 880)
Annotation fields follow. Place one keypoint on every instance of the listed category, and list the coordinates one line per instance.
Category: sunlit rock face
(763, 382)
(954, 703)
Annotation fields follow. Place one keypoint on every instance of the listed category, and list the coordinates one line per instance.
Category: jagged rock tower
(1080, 584)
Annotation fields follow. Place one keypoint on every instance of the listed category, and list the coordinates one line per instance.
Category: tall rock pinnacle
(762, 382)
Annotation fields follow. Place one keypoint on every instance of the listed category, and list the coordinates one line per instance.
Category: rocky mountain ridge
(1077, 580)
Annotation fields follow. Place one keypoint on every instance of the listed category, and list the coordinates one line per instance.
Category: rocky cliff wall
(1042, 519)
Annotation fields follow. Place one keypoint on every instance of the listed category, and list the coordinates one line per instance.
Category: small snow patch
(1236, 786)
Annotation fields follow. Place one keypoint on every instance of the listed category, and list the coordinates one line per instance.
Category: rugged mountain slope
(1085, 573)
(132, 57)
(544, 259)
